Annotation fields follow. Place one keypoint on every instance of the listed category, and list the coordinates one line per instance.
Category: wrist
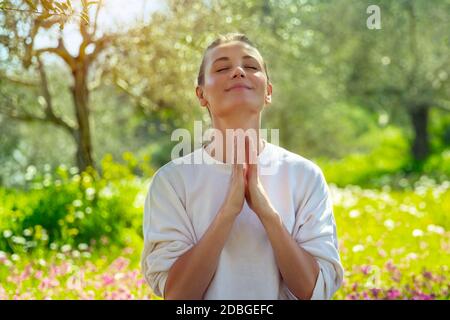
(270, 216)
(228, 214)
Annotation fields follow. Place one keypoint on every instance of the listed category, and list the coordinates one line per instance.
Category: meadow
(394, 242)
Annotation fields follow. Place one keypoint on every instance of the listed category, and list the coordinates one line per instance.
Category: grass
(394, 244)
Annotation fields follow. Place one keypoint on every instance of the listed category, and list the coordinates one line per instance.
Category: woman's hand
(235, 198)
(256, 196)
(246, 185)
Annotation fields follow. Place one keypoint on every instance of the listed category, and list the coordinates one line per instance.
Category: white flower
(75, 253)
(417, 233)
(7, 233)
(27, 232)
(389, 224)
(19, 240)
(77, 203)
(90, 193)
(354, 213)
(358, 248)
(435, 229)
(66, 248)
(82, 246)
(79, 214)
(412, 256)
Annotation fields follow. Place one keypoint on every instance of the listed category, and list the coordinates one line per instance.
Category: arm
(190, 275)
(174, 263)
(298, 268)
(309, 259)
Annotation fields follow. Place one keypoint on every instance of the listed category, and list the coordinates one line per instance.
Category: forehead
(232, 49)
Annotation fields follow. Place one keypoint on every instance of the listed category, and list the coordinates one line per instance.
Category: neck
(234, 123)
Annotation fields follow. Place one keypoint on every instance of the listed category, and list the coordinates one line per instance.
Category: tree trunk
(419, 119)
(81, 102)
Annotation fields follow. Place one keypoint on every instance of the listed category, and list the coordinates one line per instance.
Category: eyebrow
(227, 59)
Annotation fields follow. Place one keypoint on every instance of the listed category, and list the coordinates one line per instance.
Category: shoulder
(296, 163)
(175, 171)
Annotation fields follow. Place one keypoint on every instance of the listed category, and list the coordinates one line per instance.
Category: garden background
(90, 92)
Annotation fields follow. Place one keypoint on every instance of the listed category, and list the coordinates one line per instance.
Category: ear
(201, 96)
(268, 98)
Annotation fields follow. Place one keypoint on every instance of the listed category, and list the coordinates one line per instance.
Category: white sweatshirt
(183, 200)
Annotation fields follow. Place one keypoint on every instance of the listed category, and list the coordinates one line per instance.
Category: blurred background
(90, 92)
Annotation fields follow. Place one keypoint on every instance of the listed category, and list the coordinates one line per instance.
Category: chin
(244, 105)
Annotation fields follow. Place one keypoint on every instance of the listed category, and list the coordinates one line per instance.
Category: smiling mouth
(239, 88)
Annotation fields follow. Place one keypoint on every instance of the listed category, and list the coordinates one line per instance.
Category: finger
(253, 159)
(247, 153)
(237, 165)
(253, 152)
(235, 149)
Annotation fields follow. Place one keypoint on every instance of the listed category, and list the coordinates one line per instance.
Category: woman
(222, 230)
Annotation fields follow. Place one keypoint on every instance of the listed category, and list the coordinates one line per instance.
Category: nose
(238, 71)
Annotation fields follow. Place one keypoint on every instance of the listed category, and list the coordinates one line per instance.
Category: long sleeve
(168, 231)
(315, 231)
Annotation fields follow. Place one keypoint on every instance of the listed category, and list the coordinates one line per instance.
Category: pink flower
(382, 253)
(390, 266)
(107, 280)
(120, 263)
(48, 283)
(366, 269)
(140, 282)
(375, 292)
(393, 294)
(75, 282)
(128, 251)
(26, 273)
(428, 275)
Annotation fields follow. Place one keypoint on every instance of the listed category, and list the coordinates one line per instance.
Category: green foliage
(386, 163)
(388, 155)
(67, 208)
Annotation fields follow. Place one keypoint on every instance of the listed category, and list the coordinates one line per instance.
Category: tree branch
(100, 45)
(62, 52)
(99, 5)
(443, 105)
(142, 104)
(18, 81)
(49, 112)
(12, 113)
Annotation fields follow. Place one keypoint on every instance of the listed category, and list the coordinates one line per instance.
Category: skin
(191, 274)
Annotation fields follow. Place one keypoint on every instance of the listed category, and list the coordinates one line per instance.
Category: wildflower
(417, 233)
(393, 294)
(366, 269)
(358, 248)
(435, 229)
(107, 280)
(354, 213)
(389, 224)
(375, 292)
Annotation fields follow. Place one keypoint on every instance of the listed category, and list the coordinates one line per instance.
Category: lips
(238, 86)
